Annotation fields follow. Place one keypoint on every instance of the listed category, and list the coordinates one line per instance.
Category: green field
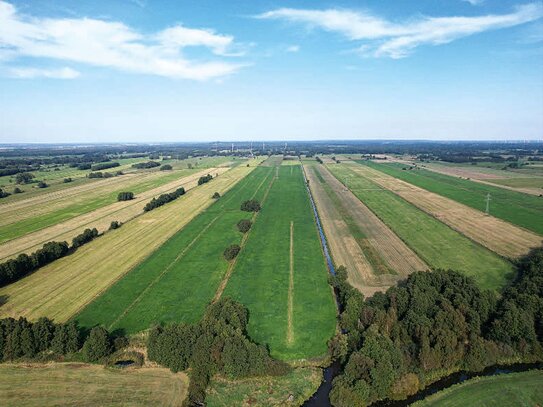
(178, 280)
(531, 182)
(515, 207)
(434, 242)
(507, 390)
(261, 278)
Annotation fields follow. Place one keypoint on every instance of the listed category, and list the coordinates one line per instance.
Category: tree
(3, 194)
(251, 205)
(44, 331)
(231, 252)
(244, 225)
(42, 184)
(67, 180)
(216, 195)
(114, 225)
(98, 345)
(17, 190)
(125, 196)
(23, 178)
(166, 167)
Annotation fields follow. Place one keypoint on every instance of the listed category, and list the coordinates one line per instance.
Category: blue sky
(142, 70)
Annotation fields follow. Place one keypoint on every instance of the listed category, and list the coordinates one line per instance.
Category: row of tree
(85, 237)
(394, 344)
(217, 344)
(100, 174)
(104, 166)
(164, 199)
(146, 165)
(205, 179)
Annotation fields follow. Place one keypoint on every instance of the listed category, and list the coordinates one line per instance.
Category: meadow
(517, 208)
(507, 390)
(78, 384)
(281, 275)
(178, 280)
(434, 242)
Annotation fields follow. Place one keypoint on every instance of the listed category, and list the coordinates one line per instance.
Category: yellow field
(377, 258)
(62, 288)
(100, 218)
(495, 234)
(78, 384)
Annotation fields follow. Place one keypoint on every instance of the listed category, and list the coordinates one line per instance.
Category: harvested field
(100, 218)
(261, 277)
(177, 281)
(62, 288)
(497, 235)
(78, 384)
(435, 243)
(374, 256)
(273, 161)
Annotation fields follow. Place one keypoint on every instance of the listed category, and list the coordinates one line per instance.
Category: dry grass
(376, 242)
(100, 218)
(78, 384)
(62, 288)
(495, 234)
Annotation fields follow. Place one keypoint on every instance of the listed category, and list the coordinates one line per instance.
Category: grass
(301, 383)
(514, 207)
(77, 384)
(531, 182)
(65, 286)
(434, 242)
(513, 389)
(177, 281)
(261, 277)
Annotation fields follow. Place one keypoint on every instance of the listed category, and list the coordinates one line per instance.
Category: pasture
(435, 243)
(78, 384)
(507, 390)
(65, 286)
(281, 275)
(178, 280)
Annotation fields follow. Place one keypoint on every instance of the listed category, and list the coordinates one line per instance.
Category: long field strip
(100, 218)
(514, 207)
(497, 235)
(281, 275)
(374, 256)
(435, 243)
(177, 281)
(62, 288)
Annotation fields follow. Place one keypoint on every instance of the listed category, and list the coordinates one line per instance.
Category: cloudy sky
(156, 70)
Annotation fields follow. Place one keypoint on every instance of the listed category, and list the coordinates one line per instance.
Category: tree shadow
(3, 299)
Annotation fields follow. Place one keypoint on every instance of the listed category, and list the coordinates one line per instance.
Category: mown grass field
(290, 303)
(301, 383)
(515, 207)
(434, 242)
(508, 390)
(62, 288)
(77, 384)
(178, 280)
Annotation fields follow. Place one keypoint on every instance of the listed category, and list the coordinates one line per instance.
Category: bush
(97, 346)
(17, 190)
(148, 164)
(103, 166)
(164, 199)
(205, 179)
(166, 167)
(125, 196)
(231, 252)
(244, 225)
(42, 184)
(216, 195)
(95, 175)
(85, 166)
(114, 225)
(67, 180)
(4, 194)
(252, 205)
(85, 237)
(23, 178)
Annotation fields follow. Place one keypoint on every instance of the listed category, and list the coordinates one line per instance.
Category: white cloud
(474, 2)
(293, 48)
(29, 73)
(398, 39)
(114, 45)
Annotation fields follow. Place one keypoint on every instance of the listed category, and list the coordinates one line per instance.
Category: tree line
(146, 165)
(219, 343)
(164, 199)
(432, 324)
(100, 174)
(104, 166)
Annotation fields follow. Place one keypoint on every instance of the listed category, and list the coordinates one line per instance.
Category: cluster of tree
(244, 225)
(319, 160)
(252, 205)
(218, 344)
(24, 264)
(393, 344)
(125, 196)
(204, 179)
(231, 252)
(17, 190)
(42, 184)
(84, 166)
(24, 178)
(115, 225)
(215, 195)
(15, 170)
(166, 167)
(85, 237)
(104, 174)
(164, 199)
(67, 180)
(4, 194)
(104, 166)
(146, 165)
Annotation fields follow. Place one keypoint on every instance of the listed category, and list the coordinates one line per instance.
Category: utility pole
(487, 202)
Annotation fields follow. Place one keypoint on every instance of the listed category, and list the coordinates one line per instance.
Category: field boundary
(290, 329)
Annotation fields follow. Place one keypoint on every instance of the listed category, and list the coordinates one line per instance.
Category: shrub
(244, 225)
(252, 205)
(205, 179)
(103, 166)
(66, 180)
(17, 190)
(231, 252)
(85, 166)
(125, 196)
(97, 346)
(216, 195)
(148, 164)
(166, 167)
(114, 225)
(95, 175)
(3, 194)
(42, 184)
(23, 178)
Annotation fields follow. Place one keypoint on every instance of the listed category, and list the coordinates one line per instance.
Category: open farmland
(62, 288)
(514, 207)
(281, 275)
(374, 256)
(100, 218)
(178, 280)
(78, 384)
(434, 242)
(497, 235)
